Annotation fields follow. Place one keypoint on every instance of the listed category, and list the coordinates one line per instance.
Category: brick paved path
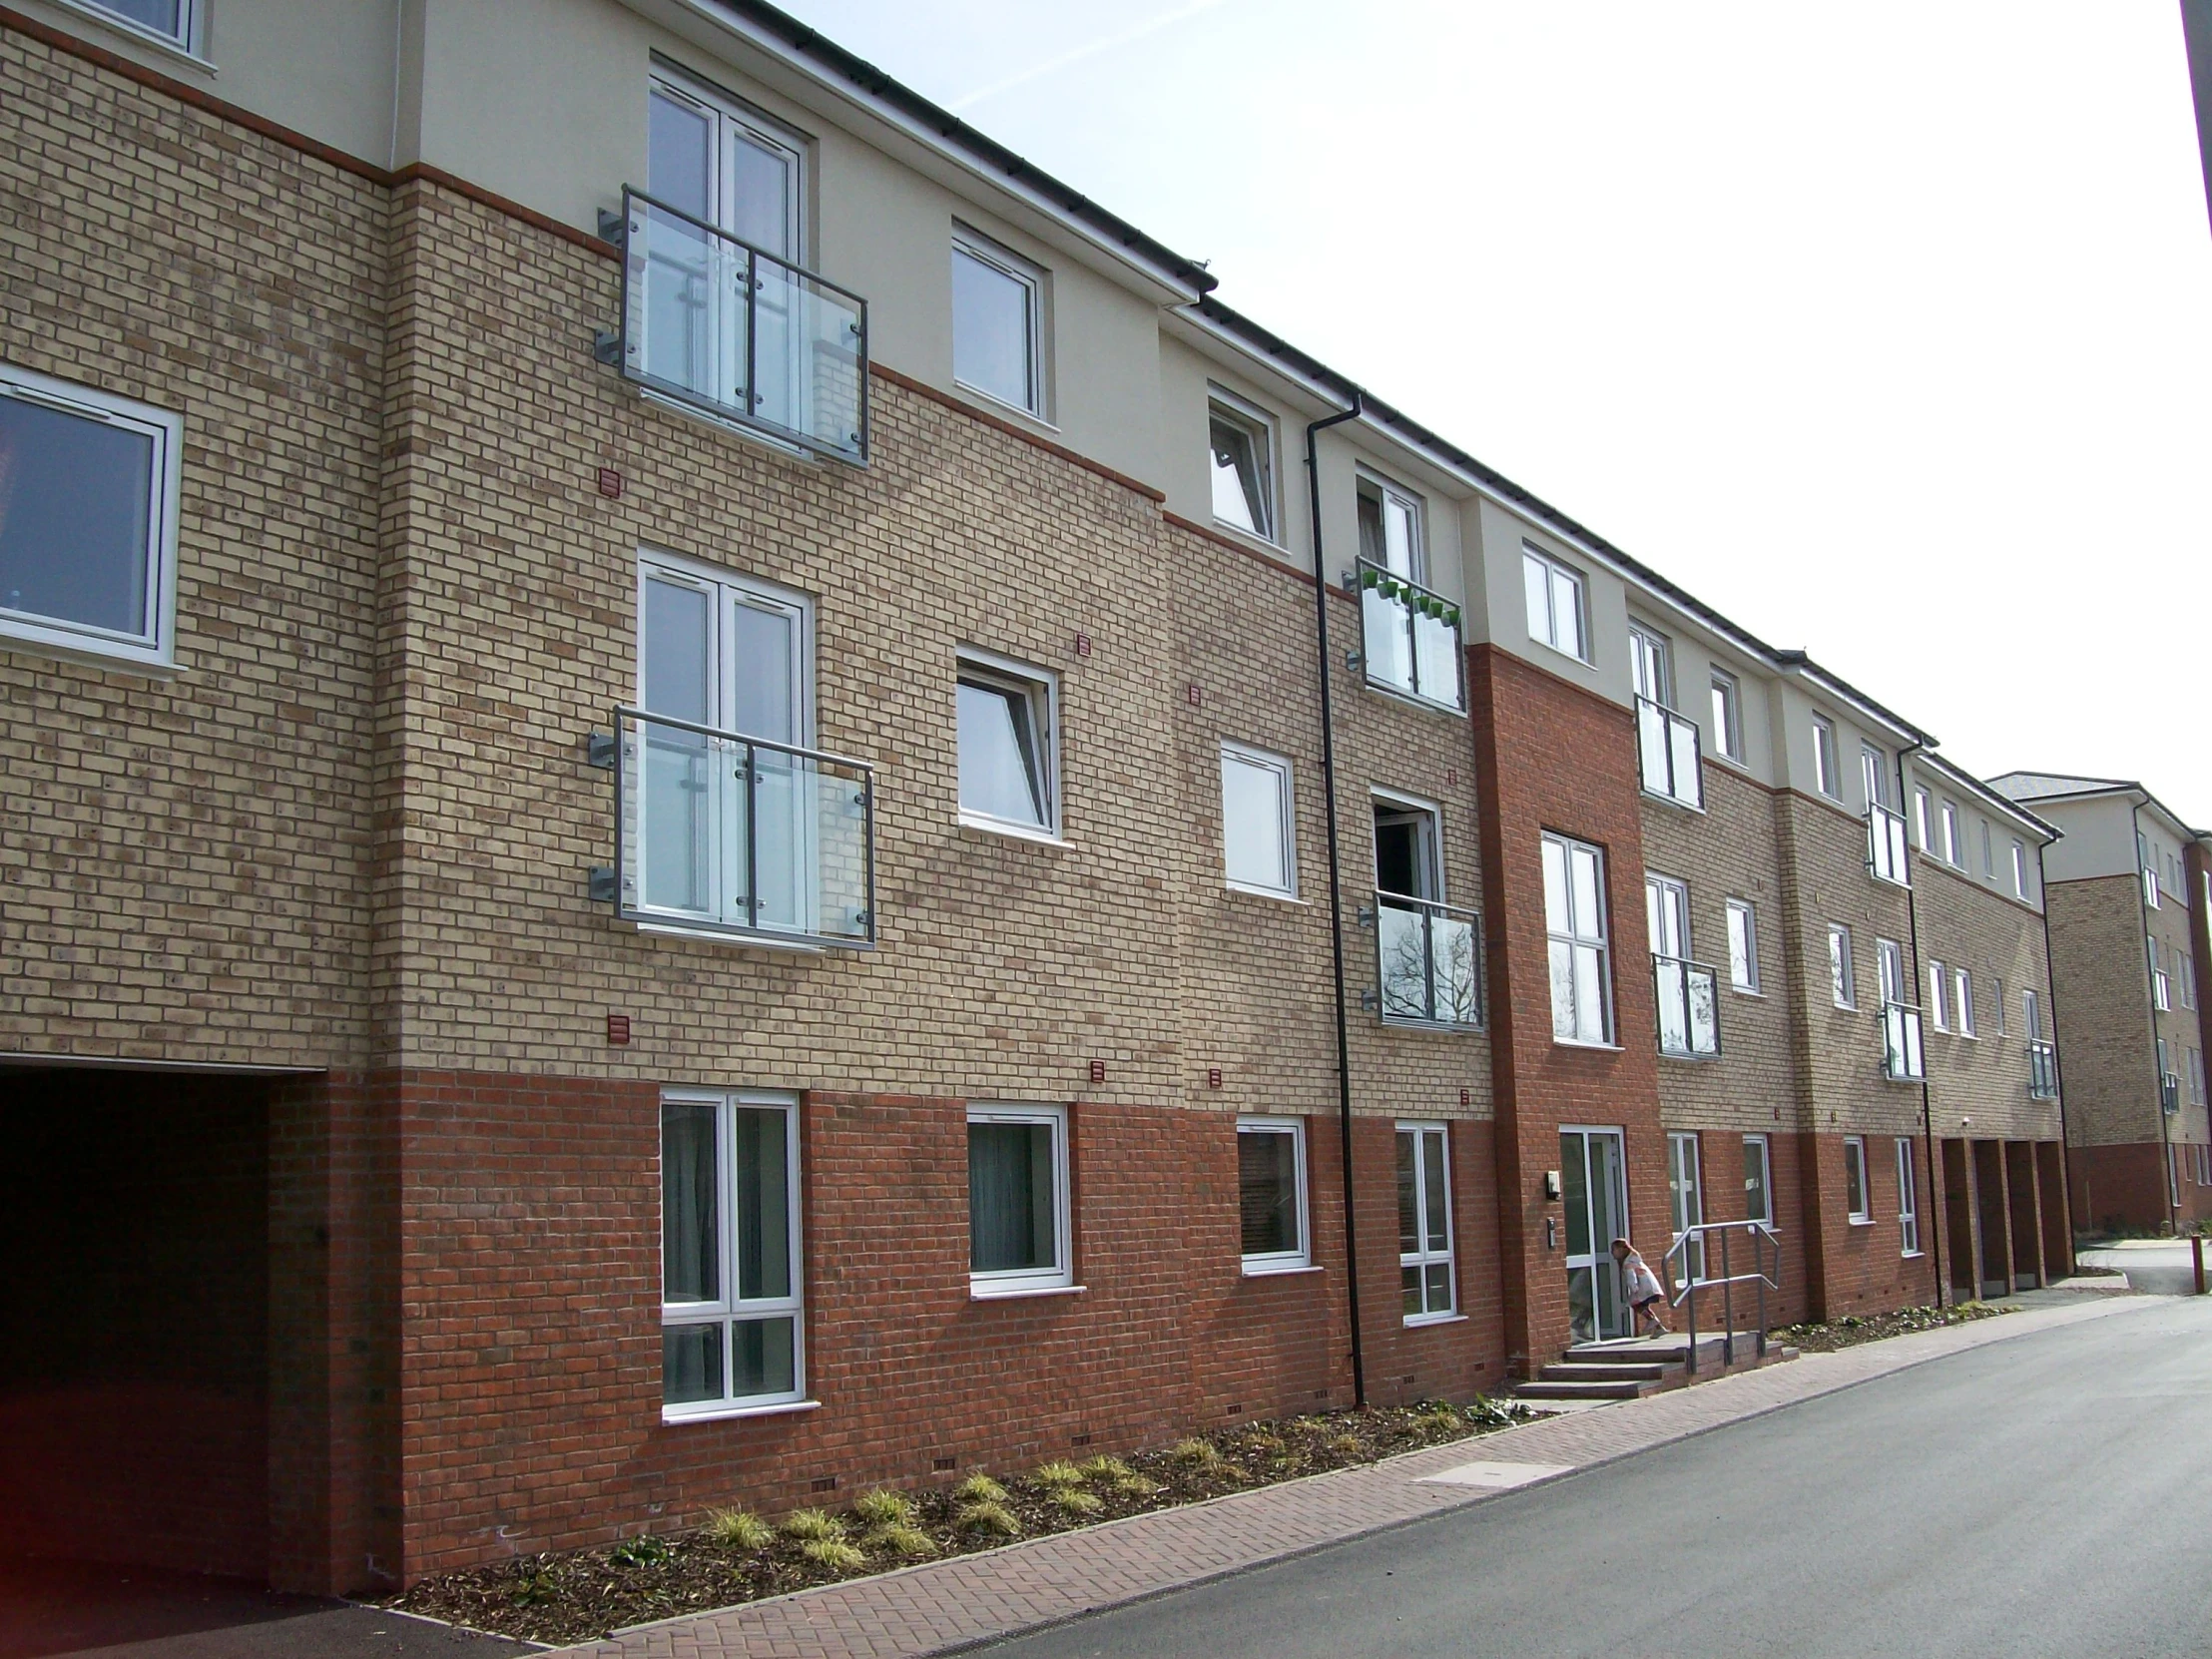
(952, 1604)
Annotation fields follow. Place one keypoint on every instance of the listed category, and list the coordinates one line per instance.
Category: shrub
(884, 1507)
(1115, 1475)
(813, 1526)
(901, 1539)
(990, 1518)
(834, 1553)
(740, 1529)
(645, 1552)
(979, 1488)
(1075, 1500)
(1057, 1475)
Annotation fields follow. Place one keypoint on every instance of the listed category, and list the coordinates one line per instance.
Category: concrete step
(1617, 1372)
(1582, 1391)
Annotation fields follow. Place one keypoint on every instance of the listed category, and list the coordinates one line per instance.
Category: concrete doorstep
(946, 1606)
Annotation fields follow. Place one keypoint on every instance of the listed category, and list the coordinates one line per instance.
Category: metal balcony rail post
(738, 331)
(1411, 638)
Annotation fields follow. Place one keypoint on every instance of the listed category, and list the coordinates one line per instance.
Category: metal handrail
(1430, 911)
(1690, 971)
(624, 352)
(1760, 1234)
(631, 908)
(1888, 848)
(1684, 785)
(1366, 576)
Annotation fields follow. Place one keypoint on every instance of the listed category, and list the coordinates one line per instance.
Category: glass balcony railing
(1429, 961)
(1412, 638)
(726, 834)
(2043, 1070)
(1689, 1001)
(1886, 845)
(732, 330)
(1900, 1043)
(1669, 757)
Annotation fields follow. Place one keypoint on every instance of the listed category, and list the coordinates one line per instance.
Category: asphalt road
(2162, 1269)
(2041, 1496)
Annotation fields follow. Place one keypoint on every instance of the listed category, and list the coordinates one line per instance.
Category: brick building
(684, 825)
(2128, 950)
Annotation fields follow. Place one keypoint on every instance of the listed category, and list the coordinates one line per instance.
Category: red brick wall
(2122, 1186)
(1573, 769)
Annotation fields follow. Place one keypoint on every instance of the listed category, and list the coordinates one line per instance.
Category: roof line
(985, 151)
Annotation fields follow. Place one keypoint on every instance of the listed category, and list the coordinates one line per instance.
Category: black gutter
(1928, 1116)
(1335, 898)
(988, 155)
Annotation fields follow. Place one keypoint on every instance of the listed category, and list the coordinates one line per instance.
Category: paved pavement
(110, 1612)
(947, 1605)
(2026, 1497)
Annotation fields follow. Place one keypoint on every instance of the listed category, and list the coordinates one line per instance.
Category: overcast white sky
(1886, 329)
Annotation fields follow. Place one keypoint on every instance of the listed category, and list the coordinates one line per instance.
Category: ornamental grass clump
(834, 1554)
(1198, 1456)
(813, 1526)
(884, 1507)
(739, 1529)
(909, 1541)
(987, 1517)
(979, 1488)
(1115, 1475)
(1057, 1475)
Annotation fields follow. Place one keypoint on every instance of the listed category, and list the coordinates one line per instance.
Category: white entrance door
(1593, 1183)
(1686, 1198)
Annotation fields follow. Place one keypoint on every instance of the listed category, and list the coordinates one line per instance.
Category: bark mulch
(574, 1595)
(1853, 1329)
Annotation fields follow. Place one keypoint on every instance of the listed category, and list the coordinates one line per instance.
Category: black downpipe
(1335, 898)
(1939, 1222)
(2058, 1069)
(2150, 985)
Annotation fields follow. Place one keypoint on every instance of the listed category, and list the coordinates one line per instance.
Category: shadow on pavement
(93, 1611)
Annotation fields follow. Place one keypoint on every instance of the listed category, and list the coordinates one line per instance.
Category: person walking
(1641, 1287)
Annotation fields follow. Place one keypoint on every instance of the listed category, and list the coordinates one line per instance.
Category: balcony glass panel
(1901, 1042)
(1428, 963)
(1886, 845)
(716, 322)
(1410, 637)
(2043, 1071)
(1668, 755)
(1688, 999)
(729, 833)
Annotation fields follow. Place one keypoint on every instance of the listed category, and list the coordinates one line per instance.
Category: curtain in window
(690, 1270)
(1010, 1210)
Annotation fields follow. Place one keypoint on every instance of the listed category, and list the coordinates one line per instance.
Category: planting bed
(1853, 1329)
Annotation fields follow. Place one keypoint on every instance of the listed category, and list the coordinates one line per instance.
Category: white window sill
(155, 662)
(1549, 649)
(1597, 1048)
(1862, 1221)
(1910, 1255)
(1277, 895)
(1671, 801)
(1288, 1270)
(1022, 1293)
(998, 405)
(1265, 544)
(139, 35)
(1012, 831)
(741, 941)
(1756, 997)
(671, 1416)
(1435, 1319)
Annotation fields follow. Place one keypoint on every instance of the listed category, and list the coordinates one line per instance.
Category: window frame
(1032, 279)
(1257, 425)
(1579, 588)
(1367, 483)
(1600, 940)
(1265, 1264)
(1962, 1001)
(1243, 754)
(2019, 871)
(1948, 818)
(1938, 995)
(1041, 686)
(995, 1283)
(1908, 1199)
(1855, 1157)
(1824, 759)
(156, 647)
(1425, 1257)
(189, 40)
(1843, 973)
(1728, 715)
(731, 1309)
(1924, 818)
(1648, 647)
(1765, 1145)
(1748, 912)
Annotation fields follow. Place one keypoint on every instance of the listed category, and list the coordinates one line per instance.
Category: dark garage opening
(133, 1373)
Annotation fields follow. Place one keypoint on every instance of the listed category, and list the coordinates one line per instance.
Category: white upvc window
(2196, 1077)
(1424, 1254)
(1938, 1002)
(1824, 759)
(1651, 664)
(1686, 1197)
(1240, 452)
(1874, 775)
(1557, 614)
(178, 23)
(1989, 852)
(87, 521)
(1923, 820)
(1997, 1002)
(1842, 976)
(1019, 1222)
(2019, 871)
(1270, 1195)
(1908, 1200)
(2185, 968)
(732, 1336)
(2031, 1015)
(1010, 726)
(997, 322)
(1758, 1179)
(1954, 852)
(1743, 947)
(1855, 1179)
(1574, 918)
(1258, 822)
(1962, 988)
(1393, 527)
(1888, 957)
(1728, 714)
(2161, 990)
